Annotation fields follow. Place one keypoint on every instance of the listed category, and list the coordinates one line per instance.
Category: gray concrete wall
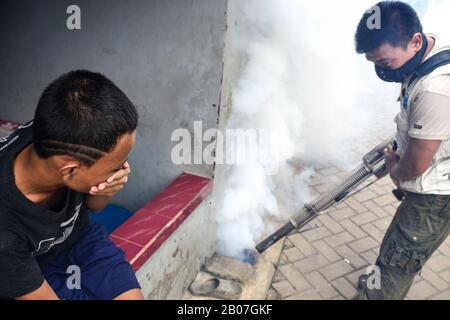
(166, 55)
(173, 267)
(235, 59)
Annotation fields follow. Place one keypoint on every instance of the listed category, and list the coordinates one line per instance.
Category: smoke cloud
(301, 79)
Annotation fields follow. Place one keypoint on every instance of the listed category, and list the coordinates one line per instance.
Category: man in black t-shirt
(69, 160)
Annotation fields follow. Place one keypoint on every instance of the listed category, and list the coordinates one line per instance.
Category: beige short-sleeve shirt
(425, 114)
(430, 112)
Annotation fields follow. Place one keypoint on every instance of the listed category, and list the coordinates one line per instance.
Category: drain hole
(249, 256)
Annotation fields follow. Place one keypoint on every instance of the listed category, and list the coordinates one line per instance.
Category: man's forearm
(96, 203)
(405, 171)
(416, 160)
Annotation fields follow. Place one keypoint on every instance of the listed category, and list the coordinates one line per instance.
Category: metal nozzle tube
(274, 237)
(373, 164)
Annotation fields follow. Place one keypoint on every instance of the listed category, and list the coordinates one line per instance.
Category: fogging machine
(373, 164)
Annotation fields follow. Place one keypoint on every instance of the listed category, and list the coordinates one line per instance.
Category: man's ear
(417, 41)
(67, 166)
(68, 171)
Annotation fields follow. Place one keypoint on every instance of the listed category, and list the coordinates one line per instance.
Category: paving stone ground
(326, 262)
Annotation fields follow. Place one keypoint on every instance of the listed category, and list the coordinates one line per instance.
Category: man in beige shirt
(421, 164)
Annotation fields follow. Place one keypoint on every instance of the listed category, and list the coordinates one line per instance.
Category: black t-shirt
(31, 235)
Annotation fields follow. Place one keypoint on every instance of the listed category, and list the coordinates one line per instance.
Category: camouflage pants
(420, 225)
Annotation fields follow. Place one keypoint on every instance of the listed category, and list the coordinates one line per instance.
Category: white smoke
(302, 79)
(435, 16)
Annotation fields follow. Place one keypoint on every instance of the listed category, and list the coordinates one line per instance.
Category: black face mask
(400, 74)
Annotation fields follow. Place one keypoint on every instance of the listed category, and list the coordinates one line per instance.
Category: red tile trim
(152, 225)
(9, 125)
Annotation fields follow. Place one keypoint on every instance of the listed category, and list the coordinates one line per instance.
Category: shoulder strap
(438, 60)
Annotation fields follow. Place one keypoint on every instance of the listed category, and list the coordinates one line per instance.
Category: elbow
(94, 209)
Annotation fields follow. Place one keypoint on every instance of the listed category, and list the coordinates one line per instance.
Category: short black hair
(82, 114)
(398, 22)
